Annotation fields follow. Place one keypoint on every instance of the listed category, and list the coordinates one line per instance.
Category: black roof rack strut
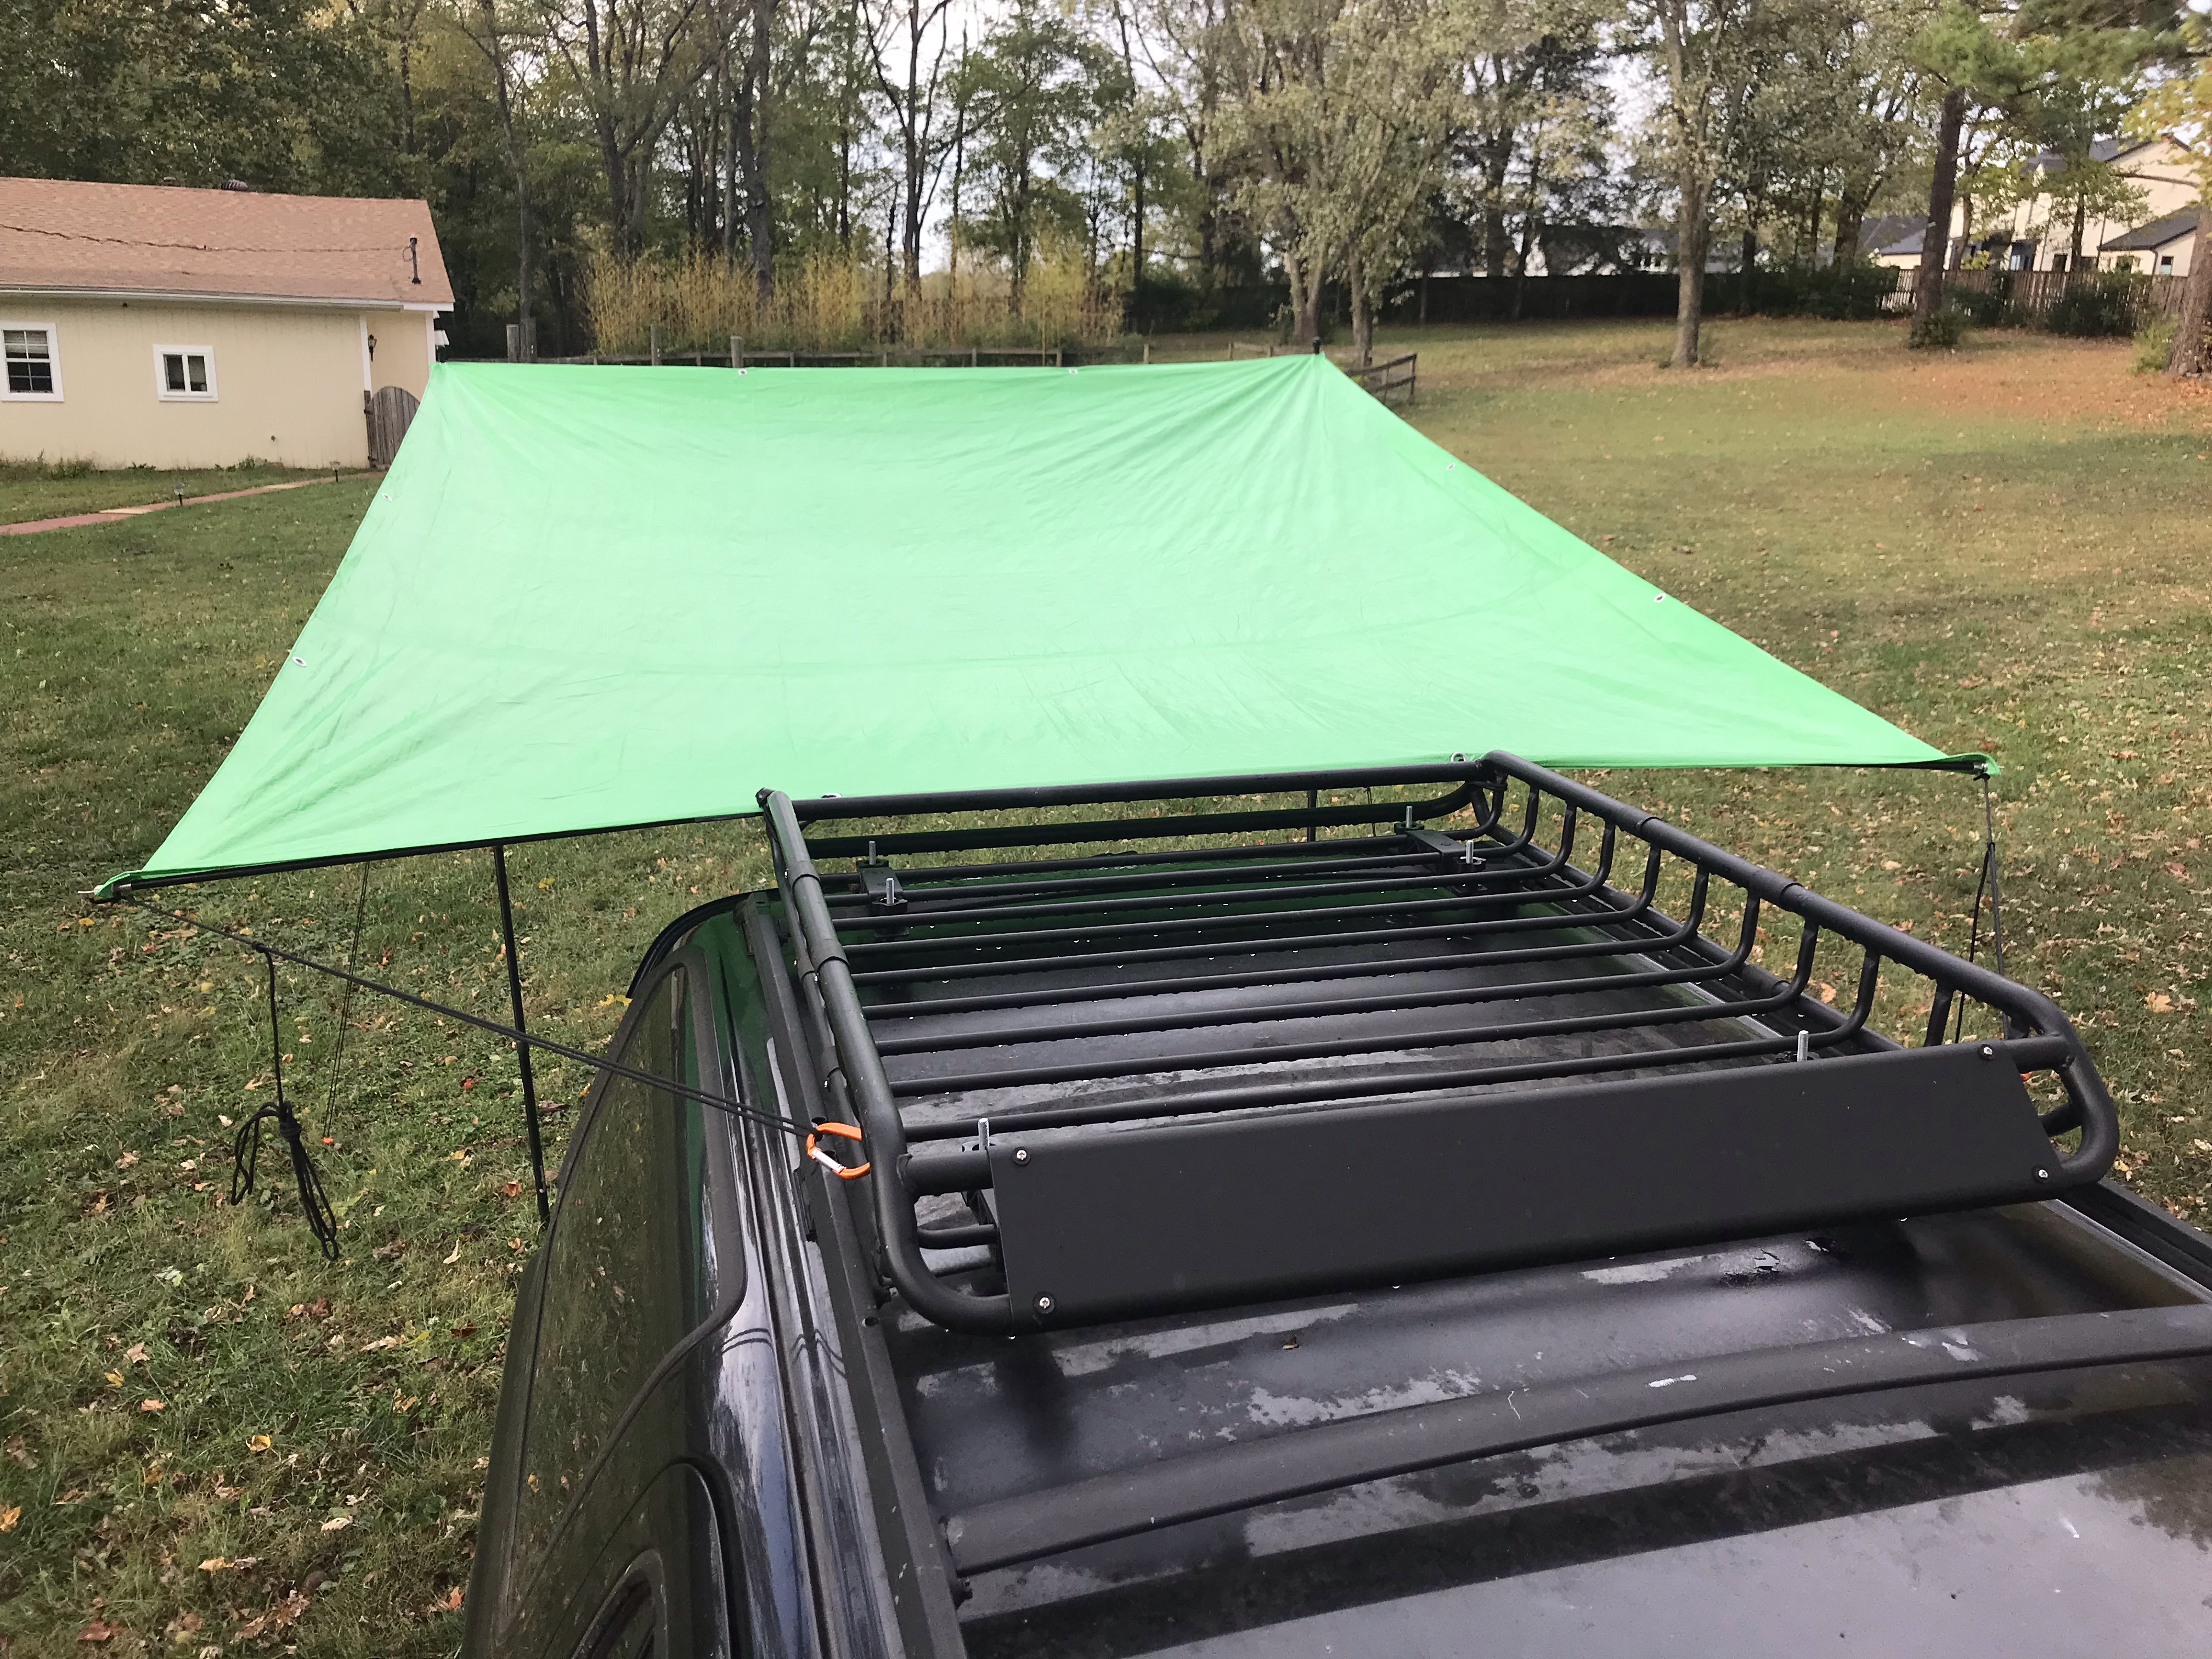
(998, 1029)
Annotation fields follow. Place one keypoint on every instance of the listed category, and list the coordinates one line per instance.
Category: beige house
(2037, 234)
(148, 325)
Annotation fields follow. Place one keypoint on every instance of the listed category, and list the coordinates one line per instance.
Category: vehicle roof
(1714, 1529)
(1919, 1485)
(2038, 1516)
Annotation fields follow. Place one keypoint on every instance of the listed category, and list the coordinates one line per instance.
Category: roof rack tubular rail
(1377, 1445)
(1464, 773)
(1565, 920)
(863, 1078)
(874, 949)
(2028, 1013)
(1422, 866)
(1380, 1002)
(1512, 1031)
(1676, 934)
(1160, 827)
(1564, 979)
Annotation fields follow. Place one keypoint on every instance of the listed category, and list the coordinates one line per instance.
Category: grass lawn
(210, 1434)
(44, 489)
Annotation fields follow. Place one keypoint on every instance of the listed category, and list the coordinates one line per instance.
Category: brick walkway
(116, 515)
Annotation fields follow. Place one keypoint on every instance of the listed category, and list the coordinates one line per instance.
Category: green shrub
(1986, 307)
(1944, 330)
(2101, 306)
(1857, 291)
(2154, 345)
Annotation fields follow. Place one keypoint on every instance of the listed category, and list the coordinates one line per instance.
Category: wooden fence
(1397, 377)
(389, 412)
(2027, 298)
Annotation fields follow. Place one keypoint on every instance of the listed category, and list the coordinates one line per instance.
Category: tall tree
(491, 36)
(2179, 108)
(1030, 90)
(910, 46)
(634, 61)
(1701, 49)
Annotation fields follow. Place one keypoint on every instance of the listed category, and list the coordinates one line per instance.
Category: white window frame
(53, 362)
(161, 379)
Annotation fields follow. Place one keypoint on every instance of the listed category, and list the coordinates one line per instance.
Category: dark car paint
(2044, 1518)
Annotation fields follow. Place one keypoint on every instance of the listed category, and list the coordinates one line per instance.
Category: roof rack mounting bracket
(1450, 848)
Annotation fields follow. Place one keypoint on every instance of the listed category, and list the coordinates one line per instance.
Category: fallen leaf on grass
(224, 1494)
(215, 1563)
(99, 1630)
(153, 1405)
(1827, 992)
(338, 1524)
(127, 1160)
(258, 1443)
(456, 1255)
(449, 1602)
(9, 1516)
(510, 1189)
(2179, 872)
(381, 1343)
(2158, 1003)
(135, 1354)
(115, 1379)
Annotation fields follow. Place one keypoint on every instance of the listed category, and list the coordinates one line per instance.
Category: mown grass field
(50, 489)
(212, 1439)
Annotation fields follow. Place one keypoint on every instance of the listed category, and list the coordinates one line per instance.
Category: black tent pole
(521, 1048)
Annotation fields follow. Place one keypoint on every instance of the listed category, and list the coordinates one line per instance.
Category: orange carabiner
(829, 1162)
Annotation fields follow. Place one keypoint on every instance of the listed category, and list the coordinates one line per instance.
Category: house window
(2166, 265)
(2059, 263)
(33, 366)
(184, 374)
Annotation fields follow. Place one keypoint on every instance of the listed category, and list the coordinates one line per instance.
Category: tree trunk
(1850, 221)
(1693, 230)
(1305, 299)
(1137, 251)
(521, 181)
(760, 218)
(1935, 240)
(2191, 354)
(2074, 248)
(1362, 320)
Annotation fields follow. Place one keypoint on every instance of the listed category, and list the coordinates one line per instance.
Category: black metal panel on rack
(1270, 1204)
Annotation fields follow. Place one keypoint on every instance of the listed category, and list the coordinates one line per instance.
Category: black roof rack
(1230, 1068)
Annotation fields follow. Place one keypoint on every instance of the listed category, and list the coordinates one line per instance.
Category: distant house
(2161, 248)
(148, 325)
(2037, 234)
(1882, 235)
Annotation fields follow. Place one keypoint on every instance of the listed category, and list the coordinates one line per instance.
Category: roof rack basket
(1108, 1064)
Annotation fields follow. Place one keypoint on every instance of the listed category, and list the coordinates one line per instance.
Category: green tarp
(588, 598)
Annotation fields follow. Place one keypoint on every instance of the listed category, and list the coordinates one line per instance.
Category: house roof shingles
(2155, 235)
(60, 235)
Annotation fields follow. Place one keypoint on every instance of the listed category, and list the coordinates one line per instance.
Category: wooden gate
(391, 411)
